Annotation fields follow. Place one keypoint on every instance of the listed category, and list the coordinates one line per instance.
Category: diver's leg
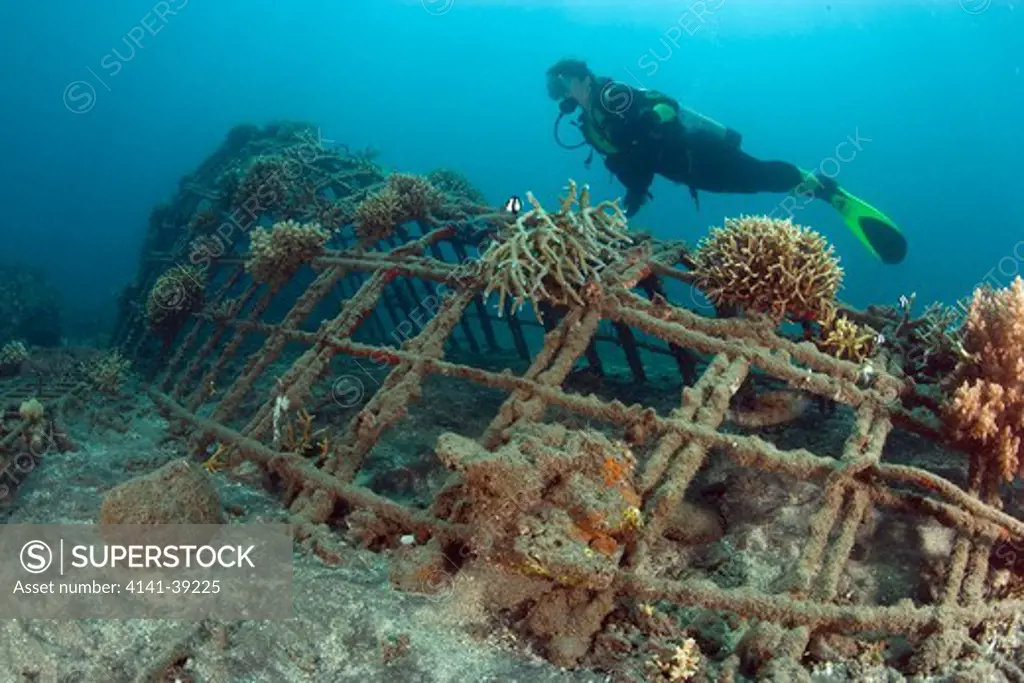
(720, 168)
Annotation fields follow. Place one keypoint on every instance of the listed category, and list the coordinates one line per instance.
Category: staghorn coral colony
(495, 434)
(277, 253)
(555, 257)
(175, 294)
(767, 265)
(403, 198)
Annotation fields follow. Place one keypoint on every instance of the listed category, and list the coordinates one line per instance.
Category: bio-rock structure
(296, 301)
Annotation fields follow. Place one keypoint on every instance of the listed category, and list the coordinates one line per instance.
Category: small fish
(513, 205)
(879, 339)
(866, 375)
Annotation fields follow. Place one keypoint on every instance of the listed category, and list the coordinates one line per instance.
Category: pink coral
(988, 403)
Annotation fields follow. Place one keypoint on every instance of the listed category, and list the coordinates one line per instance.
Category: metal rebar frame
(632, 301)
(852, 484)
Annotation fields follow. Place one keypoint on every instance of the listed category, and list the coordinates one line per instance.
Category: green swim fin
(872, 227)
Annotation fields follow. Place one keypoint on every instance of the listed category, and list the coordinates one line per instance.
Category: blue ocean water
(107, 106)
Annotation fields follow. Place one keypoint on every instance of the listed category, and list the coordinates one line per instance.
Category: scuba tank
(696, 125)
(695, 122)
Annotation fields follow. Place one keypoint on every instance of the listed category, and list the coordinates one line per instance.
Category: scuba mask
(558, 86)
(558, 90)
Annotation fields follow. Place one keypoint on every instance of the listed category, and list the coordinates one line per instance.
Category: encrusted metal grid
(373, 284)
(15, 391)
(852, 483)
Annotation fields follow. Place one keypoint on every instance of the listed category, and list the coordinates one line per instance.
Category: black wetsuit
(637, 143)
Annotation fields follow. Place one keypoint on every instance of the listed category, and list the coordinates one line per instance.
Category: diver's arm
(667, 125)
(662, 122)
(636, 174)
(635, 198)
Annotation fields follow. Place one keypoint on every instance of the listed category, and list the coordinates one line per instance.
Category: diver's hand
(648, 125)
(634, 200)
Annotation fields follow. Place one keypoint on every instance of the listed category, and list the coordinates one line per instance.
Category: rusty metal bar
(478, 304)
(518, 339)
(629, 347)
(686, 359)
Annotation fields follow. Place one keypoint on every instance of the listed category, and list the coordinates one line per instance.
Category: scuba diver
(641, 133)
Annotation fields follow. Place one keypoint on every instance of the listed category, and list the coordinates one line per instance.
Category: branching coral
(845, 339)
(404, 198)
(377, 215)
(12, 355)
(176, 294)
(456, 185)
(682, 665)
(553, 257)
(988, 403)
(277, 253)
(107, 374)
(204, 222)
(418, 197)
(265, 185)
(333, 214)
(938, 338)
(767, 265)
(31, 411)
(925, 348)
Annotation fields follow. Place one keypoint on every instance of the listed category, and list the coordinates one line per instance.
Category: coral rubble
(177, 493)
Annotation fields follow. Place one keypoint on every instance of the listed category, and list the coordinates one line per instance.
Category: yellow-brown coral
(13, 354)
(404, 198)
(456, 186)
(31, 410)
(377, 216)
(277, 253)
(107, 374)
(988, 403)
(265, 185)
(553, 257)
(845, 339)
(418, 198)
(683, 664)
(771, 266)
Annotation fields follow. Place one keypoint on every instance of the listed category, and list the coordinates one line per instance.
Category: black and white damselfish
(513, 205)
